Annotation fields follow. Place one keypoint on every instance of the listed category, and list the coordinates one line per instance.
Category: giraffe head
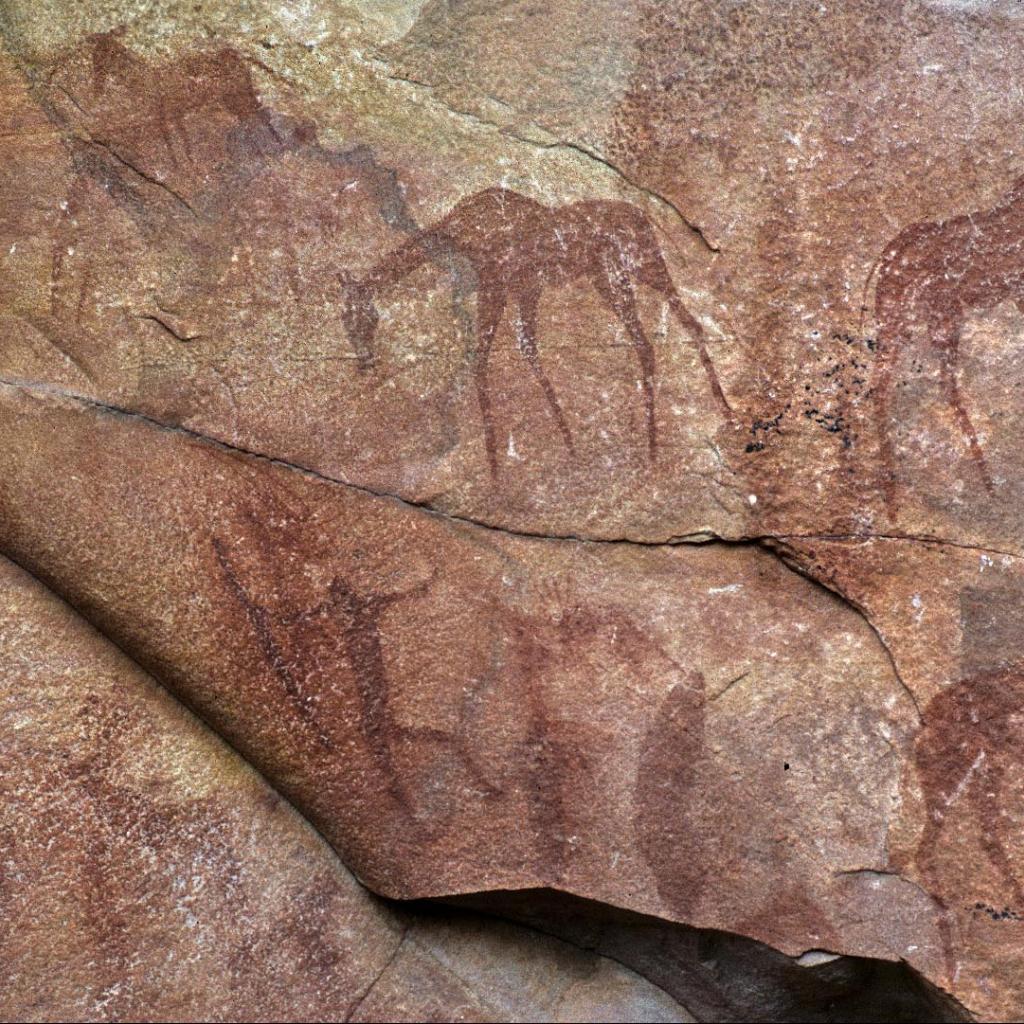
(360, 318)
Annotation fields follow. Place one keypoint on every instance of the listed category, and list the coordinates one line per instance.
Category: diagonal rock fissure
(399, 946)
(547, 145)
(702, 535)
(913, 538)
(40, 390)
(664, 201)
(791, 561)
(150, 179)
(202, 723)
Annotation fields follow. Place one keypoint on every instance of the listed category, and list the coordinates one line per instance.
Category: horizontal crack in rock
(775, 544)
(52, 391)
(698, 536)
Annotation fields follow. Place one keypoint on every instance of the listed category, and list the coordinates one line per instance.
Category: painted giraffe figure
(968, 741)
(517, 247)
(932, 276)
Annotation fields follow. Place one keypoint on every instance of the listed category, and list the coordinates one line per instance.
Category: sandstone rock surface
(556, 452)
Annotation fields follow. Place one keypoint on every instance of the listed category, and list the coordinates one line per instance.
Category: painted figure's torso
(529, 243)
(973, 261)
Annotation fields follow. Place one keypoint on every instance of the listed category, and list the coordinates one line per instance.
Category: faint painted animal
(932, 277)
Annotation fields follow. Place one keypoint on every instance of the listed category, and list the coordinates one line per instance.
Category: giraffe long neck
(408, 257)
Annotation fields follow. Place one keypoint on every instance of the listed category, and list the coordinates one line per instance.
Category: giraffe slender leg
(655, 274)
(164, 122)
(85, 286)
(690, 323)
(947, 340)
(490, 306)
(926, 862)
(526, 335)
(65, 238)
(985, 794)
(616, 289)
(924, 855)
(885, 368)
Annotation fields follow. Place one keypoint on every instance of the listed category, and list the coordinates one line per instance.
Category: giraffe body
(932, 277)
(517, 247)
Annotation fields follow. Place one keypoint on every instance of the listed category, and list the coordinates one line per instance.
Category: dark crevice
(728, 686)
(720, 975)
(493, 905)
(166, 327)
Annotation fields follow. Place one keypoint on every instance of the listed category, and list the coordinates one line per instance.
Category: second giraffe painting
(516, 248)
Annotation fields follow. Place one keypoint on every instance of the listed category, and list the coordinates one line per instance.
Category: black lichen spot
(1006, 914)
(760, 429)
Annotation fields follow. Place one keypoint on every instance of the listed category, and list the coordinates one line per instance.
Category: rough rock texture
(151, 874)
(564, 447)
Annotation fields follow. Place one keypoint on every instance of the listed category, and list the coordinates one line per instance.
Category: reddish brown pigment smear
(669, 838)
(962, 753)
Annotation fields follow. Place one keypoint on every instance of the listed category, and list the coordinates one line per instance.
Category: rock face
(562, 457)
(149, 873)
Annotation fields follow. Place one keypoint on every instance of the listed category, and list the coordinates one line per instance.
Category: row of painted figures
(929, 279)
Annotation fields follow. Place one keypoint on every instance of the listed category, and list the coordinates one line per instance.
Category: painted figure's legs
(925, 861)
(655, 275)
(947, 341)
(885, 367)
(617, 291)
(986, 787)
(526, 336)
(490, 306)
